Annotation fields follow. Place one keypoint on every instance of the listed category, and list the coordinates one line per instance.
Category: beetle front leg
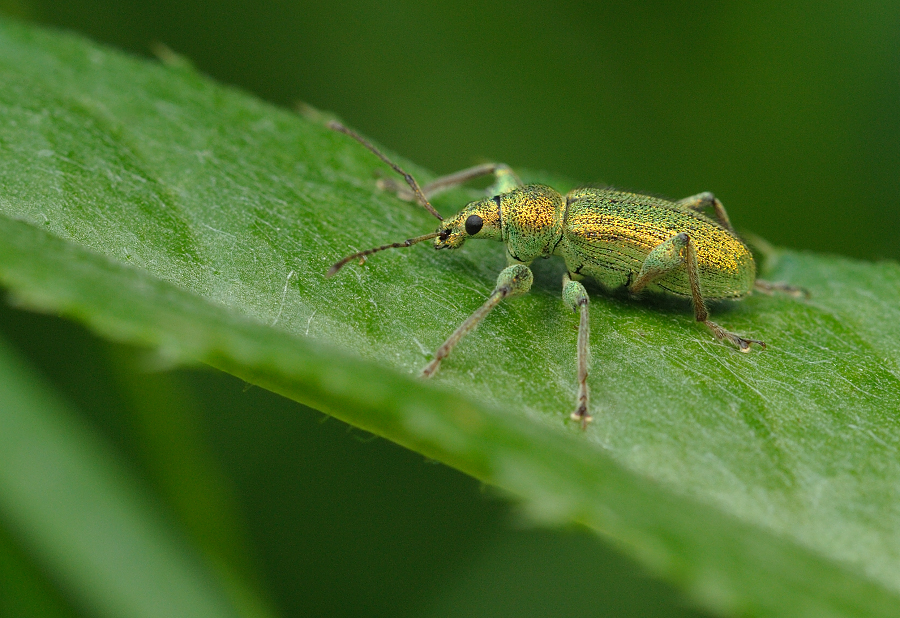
(512, 281)
(575, 296)
(505, 180)
(672, 254)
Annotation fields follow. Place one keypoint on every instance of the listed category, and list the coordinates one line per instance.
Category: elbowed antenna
(394, 245)
(420, 197)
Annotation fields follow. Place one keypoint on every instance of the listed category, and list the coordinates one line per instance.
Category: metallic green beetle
(619, 239)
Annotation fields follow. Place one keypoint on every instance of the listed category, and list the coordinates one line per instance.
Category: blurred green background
(789, 113)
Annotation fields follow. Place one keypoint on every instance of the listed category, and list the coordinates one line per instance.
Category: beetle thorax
(532, 218)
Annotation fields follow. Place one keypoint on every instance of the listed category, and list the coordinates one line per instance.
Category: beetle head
(479, 219)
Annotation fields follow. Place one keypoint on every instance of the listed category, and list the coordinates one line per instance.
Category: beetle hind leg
(708, 200)
(671, 254)
(771, 287)
(741, 343)
(575, 296)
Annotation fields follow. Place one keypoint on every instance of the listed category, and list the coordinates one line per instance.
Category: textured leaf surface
(165, 210)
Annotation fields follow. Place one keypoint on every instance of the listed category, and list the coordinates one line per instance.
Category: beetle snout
(448, 239)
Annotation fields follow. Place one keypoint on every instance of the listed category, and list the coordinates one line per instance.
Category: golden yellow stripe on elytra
(719, 252)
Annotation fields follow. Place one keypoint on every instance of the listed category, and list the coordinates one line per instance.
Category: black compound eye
(474, 224)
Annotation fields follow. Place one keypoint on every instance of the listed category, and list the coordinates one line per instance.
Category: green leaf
(64, 496)
(23, 590)
(165, 210)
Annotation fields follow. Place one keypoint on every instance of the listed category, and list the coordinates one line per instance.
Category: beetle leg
(512, 281)
(699, 202)
(505, 180)
(672, 254)
(575, 296)
(770, 287)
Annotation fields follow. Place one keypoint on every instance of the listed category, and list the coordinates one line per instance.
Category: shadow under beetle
(619, 239)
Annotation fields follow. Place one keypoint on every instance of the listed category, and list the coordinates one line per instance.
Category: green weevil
(620, 240)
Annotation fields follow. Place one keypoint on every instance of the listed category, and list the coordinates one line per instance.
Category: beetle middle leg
(576, 297)
(504, 180)
(512, 281)
(672, 254)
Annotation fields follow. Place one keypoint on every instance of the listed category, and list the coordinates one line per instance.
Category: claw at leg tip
(582, 417)
(431, 368)
(748, 343)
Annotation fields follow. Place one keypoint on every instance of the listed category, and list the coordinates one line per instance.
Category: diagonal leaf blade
(728, 564)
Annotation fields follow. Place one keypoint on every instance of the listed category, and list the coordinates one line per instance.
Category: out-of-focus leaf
(65, 498)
